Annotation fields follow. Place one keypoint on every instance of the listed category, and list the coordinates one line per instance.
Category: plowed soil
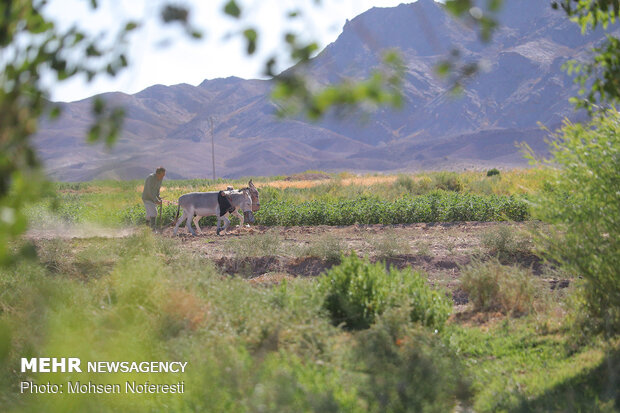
(441, 250)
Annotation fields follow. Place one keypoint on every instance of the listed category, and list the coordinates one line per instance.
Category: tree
(30, 47)
(583, 203)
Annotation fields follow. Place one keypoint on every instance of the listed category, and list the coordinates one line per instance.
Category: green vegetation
(583, 203)
(250, 346)
(531, 365)
(504, 243)
(361, 337)
(247, 347)
(435, 207)
(409, 199)
(326, 247)
(494, 287)
(356, 292)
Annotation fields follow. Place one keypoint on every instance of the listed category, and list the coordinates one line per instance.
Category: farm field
(454, 315)
(441, 250)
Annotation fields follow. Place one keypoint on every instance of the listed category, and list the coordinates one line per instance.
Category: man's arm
(152, 190)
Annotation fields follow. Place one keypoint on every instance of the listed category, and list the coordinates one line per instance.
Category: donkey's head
(246, 205)
(254, 195)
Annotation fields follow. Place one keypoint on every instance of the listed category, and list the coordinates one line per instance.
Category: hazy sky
(164, 55)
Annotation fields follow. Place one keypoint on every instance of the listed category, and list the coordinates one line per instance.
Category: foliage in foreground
(248, 348)
(584, 203)
(356, 292)
(495, 287)
(409, 369)
(257, 348)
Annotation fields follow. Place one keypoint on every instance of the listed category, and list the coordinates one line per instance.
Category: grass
(270, 344)
(516, 368)
(495, 287)
(146, 297)
(267, 244)
(387, 245)
(506, 243)
(115, 203)
(326, 247)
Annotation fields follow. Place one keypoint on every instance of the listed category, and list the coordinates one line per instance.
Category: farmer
(150, 195)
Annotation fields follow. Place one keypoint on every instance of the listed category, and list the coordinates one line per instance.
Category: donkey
(251, 189)
(206, 204)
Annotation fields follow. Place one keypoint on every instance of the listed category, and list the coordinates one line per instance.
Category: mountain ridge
(523, 84)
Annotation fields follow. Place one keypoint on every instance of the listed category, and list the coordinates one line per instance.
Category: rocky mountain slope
(522, 85)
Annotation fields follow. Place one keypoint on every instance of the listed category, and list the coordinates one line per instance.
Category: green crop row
(435, 207)
(438, 206)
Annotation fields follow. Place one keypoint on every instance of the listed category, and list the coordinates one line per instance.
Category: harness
(224, 202)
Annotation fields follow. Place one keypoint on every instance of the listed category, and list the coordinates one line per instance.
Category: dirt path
(78, 231)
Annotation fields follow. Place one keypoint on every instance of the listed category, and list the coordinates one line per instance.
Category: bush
(388, 244)
(269, 243)
(326, 247)
(356, 291)
(583, 203)
(492, 286)
(408, 369)
(405, 182)
(503, 242)
(493, 172)
(448, 181)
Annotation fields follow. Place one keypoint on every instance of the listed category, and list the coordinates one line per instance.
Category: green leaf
(251, 37)
(131, 26)
(232, 9)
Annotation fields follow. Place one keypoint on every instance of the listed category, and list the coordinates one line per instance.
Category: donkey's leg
(176, 227)
(188, 221)
(227, 222)
(240, 216)
(196, 219)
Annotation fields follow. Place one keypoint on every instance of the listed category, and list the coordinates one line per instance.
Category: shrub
(448, 181)
(492, 286)
(492, 172)
(503, 242)
(583, 203)
(388, 244)
(258, 245)
(405, 182)
(356, 291)
(326, 247)
(408, 369)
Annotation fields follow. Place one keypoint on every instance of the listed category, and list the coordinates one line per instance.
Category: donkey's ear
(251, 184)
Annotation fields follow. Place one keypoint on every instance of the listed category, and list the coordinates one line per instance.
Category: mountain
(521, 86)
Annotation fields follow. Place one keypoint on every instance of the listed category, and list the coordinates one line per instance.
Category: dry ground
(270, 254)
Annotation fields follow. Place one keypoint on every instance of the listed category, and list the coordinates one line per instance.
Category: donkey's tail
(177, 215)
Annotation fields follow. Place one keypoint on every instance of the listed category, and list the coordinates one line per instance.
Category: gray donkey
(201, 204)
(251, 189)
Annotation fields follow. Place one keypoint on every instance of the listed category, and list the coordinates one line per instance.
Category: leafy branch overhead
(32, 48)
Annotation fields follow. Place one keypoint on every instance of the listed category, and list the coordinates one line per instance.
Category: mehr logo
(51, 365)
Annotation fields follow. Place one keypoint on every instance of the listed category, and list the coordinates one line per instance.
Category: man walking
(150, 195)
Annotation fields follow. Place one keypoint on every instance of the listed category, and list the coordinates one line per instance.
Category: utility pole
(212, 145)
